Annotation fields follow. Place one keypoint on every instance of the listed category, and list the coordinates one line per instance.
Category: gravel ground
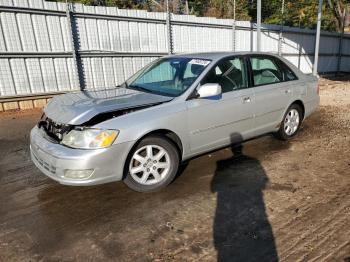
(268, 201)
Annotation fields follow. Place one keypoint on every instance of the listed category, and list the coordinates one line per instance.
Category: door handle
(246, 99)
(287, 91)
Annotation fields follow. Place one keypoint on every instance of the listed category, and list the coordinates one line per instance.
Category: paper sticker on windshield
(199, 62)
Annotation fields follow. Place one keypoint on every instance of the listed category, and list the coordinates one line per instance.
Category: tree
(300, 13)
(339, 9)
(225, 9)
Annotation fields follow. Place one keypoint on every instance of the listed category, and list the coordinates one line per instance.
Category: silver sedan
(173, 109)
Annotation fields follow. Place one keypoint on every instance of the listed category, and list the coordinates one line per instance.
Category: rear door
(273, 91)
(218, 122)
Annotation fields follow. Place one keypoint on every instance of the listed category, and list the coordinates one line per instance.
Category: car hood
(79, 107)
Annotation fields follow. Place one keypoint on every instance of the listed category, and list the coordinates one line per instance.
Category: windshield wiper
(136, 87)
(140, 88)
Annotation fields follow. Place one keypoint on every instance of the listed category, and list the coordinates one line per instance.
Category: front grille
(44, 164)
(53, 129)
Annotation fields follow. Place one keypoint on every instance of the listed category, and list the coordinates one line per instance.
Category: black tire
(281, 133)
(173, 156)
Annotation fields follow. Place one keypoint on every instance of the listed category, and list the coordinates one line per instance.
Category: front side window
(168, 76)
(265, 71)
(229, 73)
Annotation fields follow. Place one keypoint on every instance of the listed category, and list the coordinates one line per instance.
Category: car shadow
(241, 229)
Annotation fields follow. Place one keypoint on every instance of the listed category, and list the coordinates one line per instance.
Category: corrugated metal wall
(105, 38)
(22, 33)
(37, 48)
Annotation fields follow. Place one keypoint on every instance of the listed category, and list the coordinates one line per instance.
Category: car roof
(218, 55)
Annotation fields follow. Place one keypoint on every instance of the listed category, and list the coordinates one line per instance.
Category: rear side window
(288, 74)
(265, 71)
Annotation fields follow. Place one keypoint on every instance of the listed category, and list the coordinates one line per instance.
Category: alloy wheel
(149, 165)
(291, 122)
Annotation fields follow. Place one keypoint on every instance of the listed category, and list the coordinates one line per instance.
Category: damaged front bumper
(70, 166)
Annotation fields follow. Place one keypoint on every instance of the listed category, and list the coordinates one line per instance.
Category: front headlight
(90, 138)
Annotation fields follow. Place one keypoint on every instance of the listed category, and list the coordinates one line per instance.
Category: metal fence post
(280, 37)
(340, 49)
(251, 31)
(258, 24)
(234, 27)
(169, 29)
(73, 34)
(234, 36)
(317, 41)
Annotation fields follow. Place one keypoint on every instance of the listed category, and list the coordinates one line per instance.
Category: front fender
(134, 126)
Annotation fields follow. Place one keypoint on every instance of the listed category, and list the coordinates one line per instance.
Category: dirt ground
(287, 201)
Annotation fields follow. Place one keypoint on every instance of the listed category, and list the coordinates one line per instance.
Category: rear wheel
(291, 123)
(152, 165)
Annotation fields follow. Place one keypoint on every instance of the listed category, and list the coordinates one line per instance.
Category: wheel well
(301, 104)
(170, 135)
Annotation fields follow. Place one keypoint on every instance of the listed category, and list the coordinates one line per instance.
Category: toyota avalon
(173, 109)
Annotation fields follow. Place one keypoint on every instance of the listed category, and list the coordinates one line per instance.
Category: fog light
(78, 174)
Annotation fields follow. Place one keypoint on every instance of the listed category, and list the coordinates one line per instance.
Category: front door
(218, 122)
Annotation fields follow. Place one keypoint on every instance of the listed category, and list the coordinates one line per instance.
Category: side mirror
(209, 90)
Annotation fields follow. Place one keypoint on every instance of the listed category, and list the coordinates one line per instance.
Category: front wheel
(152, 164)
(290, 123)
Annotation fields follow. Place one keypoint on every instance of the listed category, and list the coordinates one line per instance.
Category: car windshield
(168, 76)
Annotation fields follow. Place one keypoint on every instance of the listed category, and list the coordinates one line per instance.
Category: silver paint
(200, 124)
